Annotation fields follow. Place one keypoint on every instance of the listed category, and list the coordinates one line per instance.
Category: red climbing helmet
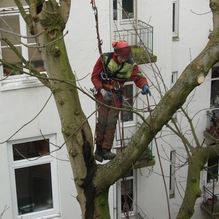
(121, 48)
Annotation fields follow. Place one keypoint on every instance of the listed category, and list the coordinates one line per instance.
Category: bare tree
(46, 21)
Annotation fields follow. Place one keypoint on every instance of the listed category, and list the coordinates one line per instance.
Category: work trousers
(107, 120)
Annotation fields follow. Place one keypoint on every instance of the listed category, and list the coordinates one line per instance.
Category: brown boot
(107, 154)
(98, 154)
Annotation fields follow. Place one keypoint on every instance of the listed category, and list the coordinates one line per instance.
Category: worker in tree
(110, 73)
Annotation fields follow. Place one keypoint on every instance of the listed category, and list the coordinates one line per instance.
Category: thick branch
(65, 9)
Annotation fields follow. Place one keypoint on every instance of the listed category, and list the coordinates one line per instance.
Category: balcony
(212, 132)
(210, 202)
(140, 38)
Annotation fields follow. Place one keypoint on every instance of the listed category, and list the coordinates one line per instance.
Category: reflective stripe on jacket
(129, 72)
(119, 70)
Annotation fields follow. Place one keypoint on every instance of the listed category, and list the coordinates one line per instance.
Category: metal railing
(141, 34)
(211, 203)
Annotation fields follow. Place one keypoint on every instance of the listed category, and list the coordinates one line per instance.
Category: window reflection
(127, 9)
(30, 149)
(34, 188)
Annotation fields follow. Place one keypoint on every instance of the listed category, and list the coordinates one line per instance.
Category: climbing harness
(107, 76)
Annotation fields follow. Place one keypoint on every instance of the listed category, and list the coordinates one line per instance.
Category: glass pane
(35, 59)
(127, 103)
(10, 23)
(174, 18)
(34, 188)
(215, 72)
(215, 93)
(212, 172)
(127, 9)
(30, 149)
(9, 56)
(115, 10)
(127, 195)
(214, 123)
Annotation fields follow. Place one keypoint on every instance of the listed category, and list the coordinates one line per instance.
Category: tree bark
(102, 206)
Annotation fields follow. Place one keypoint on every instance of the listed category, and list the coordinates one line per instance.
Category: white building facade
(34, 187)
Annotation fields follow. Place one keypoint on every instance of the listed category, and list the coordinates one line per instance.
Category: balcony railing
(212, 131)
(140, 35)
(210, 202)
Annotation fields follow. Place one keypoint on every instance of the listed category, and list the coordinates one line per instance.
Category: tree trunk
(101, 206)
(75, 128)
(193, 191)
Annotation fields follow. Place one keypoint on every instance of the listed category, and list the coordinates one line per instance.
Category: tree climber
(110, 73)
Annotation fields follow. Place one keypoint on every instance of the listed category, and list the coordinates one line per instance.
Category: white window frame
(17, 81)
(120, 214)
(13, 165)
(175, 32)
(120, 11)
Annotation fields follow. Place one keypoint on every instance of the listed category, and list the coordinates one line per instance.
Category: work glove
(107, 95)
(146, 90)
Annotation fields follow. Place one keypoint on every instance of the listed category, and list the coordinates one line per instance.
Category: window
(212, 173)
(126, 195)
(127, 9)
(174, 77)
(34, 179)
(123, 9)
(115, 11)
(172, 174)
(215, 86)
(12, 21)
(175, 18)
(128, 103)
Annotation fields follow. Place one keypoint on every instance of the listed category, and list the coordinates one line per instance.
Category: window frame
(175, 20)
(120, 11)
(24, 163)
(14, 82)
(132, 122)
(120, 214)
